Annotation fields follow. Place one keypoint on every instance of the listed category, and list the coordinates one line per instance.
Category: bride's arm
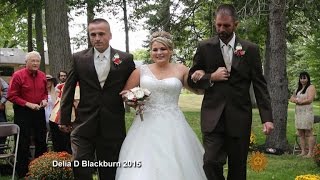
(185, 71)
(133, 81)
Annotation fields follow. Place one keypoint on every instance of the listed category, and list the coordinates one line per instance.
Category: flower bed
(316, 156)
(308, 177)
(44, 167)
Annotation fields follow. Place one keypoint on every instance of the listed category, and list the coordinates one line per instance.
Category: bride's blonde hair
(162, 37)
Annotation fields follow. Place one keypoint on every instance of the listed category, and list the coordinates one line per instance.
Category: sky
(118, 36)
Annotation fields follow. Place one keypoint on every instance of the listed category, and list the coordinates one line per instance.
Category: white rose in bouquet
(131, 96)
(138, 96)
(146, 92)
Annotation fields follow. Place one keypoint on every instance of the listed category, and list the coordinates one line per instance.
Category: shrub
(316, 156)
(43, 167)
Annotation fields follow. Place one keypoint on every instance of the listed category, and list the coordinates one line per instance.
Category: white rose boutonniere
(116, 60)
(239, 52)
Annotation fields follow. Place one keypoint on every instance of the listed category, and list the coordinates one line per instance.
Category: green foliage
(303, 55)
(302, 18)
(141, 54)
(181, 19)
(12, 27)
(192, 21)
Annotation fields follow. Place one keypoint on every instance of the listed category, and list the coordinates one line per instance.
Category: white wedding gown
(163, 142)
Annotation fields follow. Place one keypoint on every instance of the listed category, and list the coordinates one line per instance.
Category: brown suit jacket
(231, 98)
(100, 110)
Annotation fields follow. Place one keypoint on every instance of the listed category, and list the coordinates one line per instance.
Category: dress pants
(95, 149)
(31, 123)
(219, 146)
(60, 140)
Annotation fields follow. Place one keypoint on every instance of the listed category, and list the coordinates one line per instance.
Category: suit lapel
(112, 67)
(235, 59)
(112, 53)
(218, 57)
(89, 59)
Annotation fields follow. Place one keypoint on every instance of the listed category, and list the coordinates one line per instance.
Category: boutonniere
(116, 60)
(239, 52)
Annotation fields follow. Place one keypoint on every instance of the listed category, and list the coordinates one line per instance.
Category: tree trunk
(58, 38)
(278, 82)
(211, 20)
(30, 44)
(267, 58)
(126, 30)
(90, 16)
(39, 34)
(165, 15)
(126, 26)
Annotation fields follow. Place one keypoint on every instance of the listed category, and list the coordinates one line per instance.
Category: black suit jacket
(231, 98)
(101, 110)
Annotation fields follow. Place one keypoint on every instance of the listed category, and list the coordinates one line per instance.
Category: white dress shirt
(102, 64)
(227, 51)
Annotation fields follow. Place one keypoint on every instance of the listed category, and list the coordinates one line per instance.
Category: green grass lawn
(284, 167)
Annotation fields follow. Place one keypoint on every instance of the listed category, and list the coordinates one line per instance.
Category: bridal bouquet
(137, 97)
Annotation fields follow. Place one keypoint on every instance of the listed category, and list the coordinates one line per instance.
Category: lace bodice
(164, 93)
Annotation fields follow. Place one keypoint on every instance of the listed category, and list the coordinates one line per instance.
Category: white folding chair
(10, 130)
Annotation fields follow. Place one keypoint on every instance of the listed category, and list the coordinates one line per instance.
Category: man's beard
(224, 36)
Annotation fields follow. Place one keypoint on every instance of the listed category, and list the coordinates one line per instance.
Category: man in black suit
(228, 65)
(99, 128)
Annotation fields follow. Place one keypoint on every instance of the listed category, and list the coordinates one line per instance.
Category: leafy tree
(12, 25)
(303, 40)
(113, 7)
(141, 54)
(30, 7)
(303, 55)
(180, 18)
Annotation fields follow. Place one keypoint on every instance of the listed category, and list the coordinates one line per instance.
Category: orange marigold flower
(45, 166)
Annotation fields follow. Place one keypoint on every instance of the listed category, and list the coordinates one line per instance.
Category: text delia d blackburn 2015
(97, 164)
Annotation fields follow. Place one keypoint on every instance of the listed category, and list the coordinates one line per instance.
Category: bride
(163, 145)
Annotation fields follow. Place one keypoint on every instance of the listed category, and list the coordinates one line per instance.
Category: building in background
(12, 59)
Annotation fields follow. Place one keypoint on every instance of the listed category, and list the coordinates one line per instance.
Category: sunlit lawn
(284, 167)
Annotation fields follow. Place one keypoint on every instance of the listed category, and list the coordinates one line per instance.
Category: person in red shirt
(28, 93)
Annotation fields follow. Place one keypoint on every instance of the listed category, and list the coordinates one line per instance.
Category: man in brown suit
(228, 66)
(99, 129)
